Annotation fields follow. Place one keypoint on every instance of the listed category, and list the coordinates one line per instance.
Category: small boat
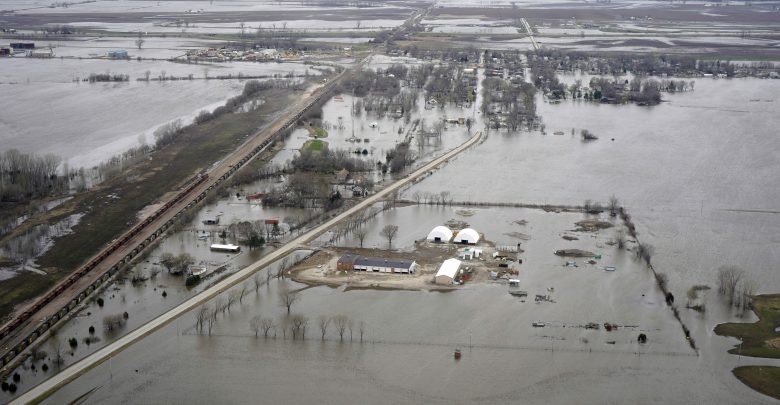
(457, 354)
(539, 324)
(519, 293)
(609, 268)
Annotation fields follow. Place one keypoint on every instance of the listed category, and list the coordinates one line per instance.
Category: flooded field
(89, 119)
(659, 188)
(697, 173)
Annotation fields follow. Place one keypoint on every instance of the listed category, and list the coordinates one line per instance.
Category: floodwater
(87, 123)
(409, 336)
(698, 175)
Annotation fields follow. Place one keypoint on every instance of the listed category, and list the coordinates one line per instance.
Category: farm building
(467, 236)
(440, 234)
(375, 264)
(5, 51)
(448, 271)
(225, 248)
(469, 253)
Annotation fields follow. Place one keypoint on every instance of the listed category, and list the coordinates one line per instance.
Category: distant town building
(350, 262)
(467, 236)
(448, 271)
(440, 234)
(117, 54)
(22, 45)
(40, 53)
(5, 51)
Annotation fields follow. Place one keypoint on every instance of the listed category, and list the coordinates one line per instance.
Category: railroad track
(34, 321)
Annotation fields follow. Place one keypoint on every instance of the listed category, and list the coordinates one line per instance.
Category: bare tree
(57, 346)
(341, 322)
(288, 298)
(282, 267)
(324, 321)
(728, 280)
(219, 305)
(351, 327)
(747, 292)
(241, 293)
(255, 324)
(200, 317)
(360, 234)
(298, 326)
(362, 329)
(139, 43)
(613, 205)
(266, 324)
(212, 319)
(620, 240)
(645, 252)
(258, 281)
(389, 232)
(231, 299)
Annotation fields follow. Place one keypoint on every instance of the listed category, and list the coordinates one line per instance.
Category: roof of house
(449, 268)
(376, 261)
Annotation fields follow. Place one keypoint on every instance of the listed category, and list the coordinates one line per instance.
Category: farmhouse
(448, 271)
(467, 236)
(440, 234)
(350, 262)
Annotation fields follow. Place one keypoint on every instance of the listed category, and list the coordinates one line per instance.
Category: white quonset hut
(467, 236)
(448, 271)
(440, 234)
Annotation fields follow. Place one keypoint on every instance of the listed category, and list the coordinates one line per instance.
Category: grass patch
(320, 133)
(759, 339)
(763, 379)
(315, 145)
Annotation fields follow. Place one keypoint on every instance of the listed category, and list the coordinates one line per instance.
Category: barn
(467, 236)
(448, 271)
(376, 264)
(440, 234)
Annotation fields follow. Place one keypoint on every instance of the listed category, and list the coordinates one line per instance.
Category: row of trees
(27, 176)
(296, 326)
(736, 287)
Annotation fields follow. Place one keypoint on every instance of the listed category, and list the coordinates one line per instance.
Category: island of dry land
(759, 339)
(321, 267)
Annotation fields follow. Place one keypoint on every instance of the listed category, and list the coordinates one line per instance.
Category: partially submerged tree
(341, 322)
(255, 324)
(360, 234)
(324, 321)
(389, 232)
(288, 298)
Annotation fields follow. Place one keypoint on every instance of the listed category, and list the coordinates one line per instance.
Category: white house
(440, 234)
(467, 236)
(448, 271)
(225, 248)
